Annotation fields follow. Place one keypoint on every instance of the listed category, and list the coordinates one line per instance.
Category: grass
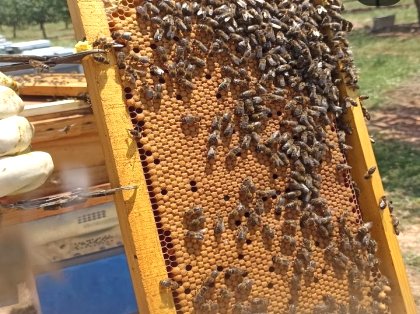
(383, 62)
(57, 33)
(399, 164)
(412, 259)
(362, 19)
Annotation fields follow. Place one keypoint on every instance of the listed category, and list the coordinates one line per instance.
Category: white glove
(27, 171)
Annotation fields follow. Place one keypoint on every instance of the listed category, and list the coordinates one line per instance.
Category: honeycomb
(240, 132)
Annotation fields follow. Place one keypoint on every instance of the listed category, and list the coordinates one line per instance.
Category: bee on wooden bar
(369, 172)
(383, 202)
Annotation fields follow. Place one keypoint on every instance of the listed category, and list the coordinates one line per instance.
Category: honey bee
(224, 295)
(240, 308)
(233, 153)
(219, 227)
(195, 235)
(100, 58)
(382, 202)
(201, 46)
(369, 172)
(216, 124)
(138, 58)
(343, 167)
(248, 93)
(155, 70)
(211, 153)
(259, 305)
(149, 93)
(142, 12)
(395, 224)
(268, 233)
(228, 131)
(189, 119)
(239, 110)
(168, 284)
(162, 53)
(196, 224)
(246, 142)
(298, 267)
(121, 60)
(197, 61)
(224, 85)
(290, 225)
(188, 84)
(259, 206)
(213, 138)
(290, 241)
(158, 35)
(295, 282)
(241, 235)
(279, 206)
(136, 134)
(254, 220)
(245, 287)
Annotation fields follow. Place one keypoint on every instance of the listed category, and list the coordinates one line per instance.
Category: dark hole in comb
(176, 38)
(127, 89)
(188, 267)
(246, 214)
(193, 183)
(156, 161)
(178, 97)
(208, 76)
(279, 113)
(139, 110)
(162, 80)
(219, 268)
(237, 223)
(226, 197)
(270, 285)
(153, 46)
(187, 291)
(148, 153)
(323, 271)
(275, 176)
(241, 256)
(194, 189)
(218, 95)
(164, 192)
(271, 269)
(248, 241)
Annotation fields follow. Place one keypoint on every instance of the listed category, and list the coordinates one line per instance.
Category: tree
(13, 13)
(417, 3)
(43, 11)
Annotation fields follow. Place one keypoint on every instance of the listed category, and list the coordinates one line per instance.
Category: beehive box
(245, 202)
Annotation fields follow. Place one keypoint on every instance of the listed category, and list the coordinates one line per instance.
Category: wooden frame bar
(362, 157)
(142, 246)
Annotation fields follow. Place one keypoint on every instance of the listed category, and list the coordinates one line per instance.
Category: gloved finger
(15, 135)
(8, 82)
(10, 102)
(23, 173)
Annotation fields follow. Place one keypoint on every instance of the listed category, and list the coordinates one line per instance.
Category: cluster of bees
(290, 55)
(236, 285)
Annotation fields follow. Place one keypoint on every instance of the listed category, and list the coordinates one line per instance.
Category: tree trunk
(14, 31)
(42, 26)
(66, 21)
(417, 3)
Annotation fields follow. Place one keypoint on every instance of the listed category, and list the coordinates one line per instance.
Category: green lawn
(403, 15)
(384, 63)
(57, 33)
(399, 165)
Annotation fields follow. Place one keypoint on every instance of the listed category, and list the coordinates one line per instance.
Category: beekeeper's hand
(20, 171)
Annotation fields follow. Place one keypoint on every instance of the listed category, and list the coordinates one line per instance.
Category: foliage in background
(22, 13)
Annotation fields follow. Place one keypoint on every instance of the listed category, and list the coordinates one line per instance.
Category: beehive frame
(135, 211)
